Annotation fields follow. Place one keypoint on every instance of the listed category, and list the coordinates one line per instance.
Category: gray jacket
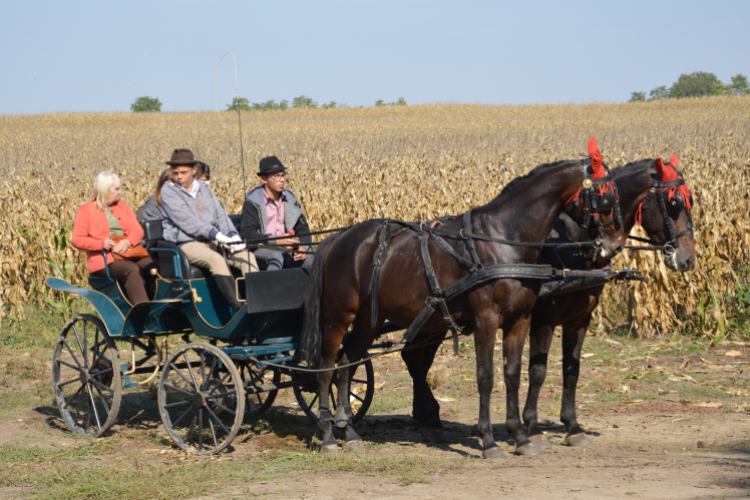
(254, 221)
(150, 210)
(188, 219)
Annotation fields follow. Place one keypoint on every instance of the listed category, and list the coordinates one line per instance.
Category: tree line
(152, 104)
(696, 84)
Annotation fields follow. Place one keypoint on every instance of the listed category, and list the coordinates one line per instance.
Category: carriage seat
(155, 239)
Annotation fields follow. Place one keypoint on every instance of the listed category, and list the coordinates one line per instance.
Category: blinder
(595, 204)
(670, 209)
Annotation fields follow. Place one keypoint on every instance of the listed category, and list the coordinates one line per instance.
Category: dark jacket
(255, 218)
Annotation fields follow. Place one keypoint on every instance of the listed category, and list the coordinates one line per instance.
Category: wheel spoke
(203, 371)
(223, 394)
(62, 384)
(175, 405)
(80, 368)
(214, 360)
(223, 408)
(83, 351)
(359, 381)
(86, 345)
(99, 385)
(186, 393)
(177, 370)
(183, 416)
(200, 428)
(69, 365)
(190, 370)
(217, 420)
(213, 433)
(220, 384)
(312, 403)
(356, 397)
(93, 405)
(192, 424)
(74, 396)
(260, 400)
(103, 400)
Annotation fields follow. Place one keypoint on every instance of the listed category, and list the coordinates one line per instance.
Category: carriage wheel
(259, 402)
(360, 395)
(201, 399)
(86, 376)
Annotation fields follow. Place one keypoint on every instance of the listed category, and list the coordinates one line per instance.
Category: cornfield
(412, 163)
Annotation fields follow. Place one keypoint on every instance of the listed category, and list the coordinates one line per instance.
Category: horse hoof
(493, 453)
(528, 450)
(540, 441)
(580, 439)
(329, 449)
(434, 435)
(357, 446)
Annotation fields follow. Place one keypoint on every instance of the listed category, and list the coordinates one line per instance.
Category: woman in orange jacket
(102, 216)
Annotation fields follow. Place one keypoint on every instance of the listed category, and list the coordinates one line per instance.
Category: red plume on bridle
(597, 172)
(597, 168)
(669, 173)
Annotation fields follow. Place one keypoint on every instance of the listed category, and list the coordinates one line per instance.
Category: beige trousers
(207, 255)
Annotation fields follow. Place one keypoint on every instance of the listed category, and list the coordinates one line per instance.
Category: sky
(100, 56)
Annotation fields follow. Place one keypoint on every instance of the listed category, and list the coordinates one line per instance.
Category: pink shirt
(276, 225)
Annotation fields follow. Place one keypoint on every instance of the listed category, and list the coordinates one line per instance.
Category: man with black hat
(272, 210)
(195, 220)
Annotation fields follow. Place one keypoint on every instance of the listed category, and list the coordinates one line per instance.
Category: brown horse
(665, 206)
(339, 291)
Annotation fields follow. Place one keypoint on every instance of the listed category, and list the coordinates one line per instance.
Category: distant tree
(637, 97)
(330, 105)
(739, 85)
(400, 102)
(696, 84)
(146, 103)
(239, 103)
(659, 93)
(304, 102)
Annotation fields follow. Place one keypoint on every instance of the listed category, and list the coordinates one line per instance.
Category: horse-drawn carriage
(230, 365)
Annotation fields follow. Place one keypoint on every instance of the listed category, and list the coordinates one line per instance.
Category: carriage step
(127, 383)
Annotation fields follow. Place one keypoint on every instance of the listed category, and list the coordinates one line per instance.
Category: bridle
(598, 195)
(669, 209)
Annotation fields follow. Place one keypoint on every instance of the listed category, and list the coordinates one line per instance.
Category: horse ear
(597, 169)
(660, 168)
(673, 160)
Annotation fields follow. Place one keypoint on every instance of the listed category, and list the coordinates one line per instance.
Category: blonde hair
(103, 182)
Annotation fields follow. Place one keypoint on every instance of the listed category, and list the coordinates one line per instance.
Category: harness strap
(378, 259)
(437, 294)
(445, 247)
(466, 228)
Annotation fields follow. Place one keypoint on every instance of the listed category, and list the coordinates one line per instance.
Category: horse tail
(312, 325)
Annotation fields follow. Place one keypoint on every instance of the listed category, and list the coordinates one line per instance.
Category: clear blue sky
(100, 56)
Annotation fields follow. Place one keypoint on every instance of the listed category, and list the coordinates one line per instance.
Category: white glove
(237, 247)
(235, 239)
(223, 239)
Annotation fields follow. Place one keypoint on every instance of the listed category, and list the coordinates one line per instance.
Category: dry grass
(412, 163)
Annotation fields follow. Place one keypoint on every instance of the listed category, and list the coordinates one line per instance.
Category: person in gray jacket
(195, 220)
(272, 210)
(151, 208)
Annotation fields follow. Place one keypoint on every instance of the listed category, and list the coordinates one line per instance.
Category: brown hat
(182, 157)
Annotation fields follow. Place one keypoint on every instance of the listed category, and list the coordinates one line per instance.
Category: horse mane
(631, 168)
(516, 183)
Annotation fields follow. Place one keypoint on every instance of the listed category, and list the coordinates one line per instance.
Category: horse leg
(513, 342)
(573, 335)
(343, 416)
(329, 353)
(540, 333)
(426, 409)
(485, 332)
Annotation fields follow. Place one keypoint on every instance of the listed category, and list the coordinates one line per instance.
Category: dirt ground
(668, 420)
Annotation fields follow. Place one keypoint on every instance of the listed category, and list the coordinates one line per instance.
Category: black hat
(182, 157)
(271, 164)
